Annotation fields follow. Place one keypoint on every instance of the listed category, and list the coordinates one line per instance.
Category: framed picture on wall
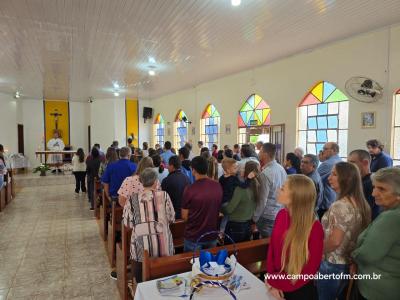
(228, 129)
(368, 119)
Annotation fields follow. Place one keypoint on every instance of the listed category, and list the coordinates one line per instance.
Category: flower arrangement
(42, 168)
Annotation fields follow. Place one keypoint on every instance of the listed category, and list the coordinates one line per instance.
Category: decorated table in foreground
(255, 290)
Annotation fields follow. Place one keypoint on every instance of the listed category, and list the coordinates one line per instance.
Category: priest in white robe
(55, 144)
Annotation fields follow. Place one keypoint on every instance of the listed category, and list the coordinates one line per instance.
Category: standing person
(130, 144)
(149, 213)
(189, 147)
(331, 155)
(362, 160)
(379, 159)
(175, 183)
(296, 242)
(272, 177)
(201, 204)
(165, 156)
(131, 184)
(55, 144)
(219, 159)
(378, 246)
(159, 168)
(212, 172)
(308, 167)
(184, 158)
(111, 156)
(246, 154)
(92, 171)
(240, 206)
(79, 170)
(299, 152)
(236, 152)
(215, 151)
(116, 173)
(345, 219)
(145, 150)
(259, 146)
(292, 164)
(200, 145)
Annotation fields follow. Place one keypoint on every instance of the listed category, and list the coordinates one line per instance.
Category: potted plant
(42, 168)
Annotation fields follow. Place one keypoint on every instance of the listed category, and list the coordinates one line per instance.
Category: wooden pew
(104, 217)
(3, 197)
(123, 253)
(9, 189)
(252, 255)
(98, 198)
(114, 229)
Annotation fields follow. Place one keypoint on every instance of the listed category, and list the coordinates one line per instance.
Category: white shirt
(78, 166)
(55, 144)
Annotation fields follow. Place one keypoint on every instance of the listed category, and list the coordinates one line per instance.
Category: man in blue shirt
(331, 155)
(116, 172)
(379, 159)
(166, 155)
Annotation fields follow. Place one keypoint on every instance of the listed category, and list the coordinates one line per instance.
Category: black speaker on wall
(147, 113)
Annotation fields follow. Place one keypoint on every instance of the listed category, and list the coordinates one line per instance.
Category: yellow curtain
(56, 114)
(132, 120)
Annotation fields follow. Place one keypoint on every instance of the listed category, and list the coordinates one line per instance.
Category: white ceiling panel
(73, 49)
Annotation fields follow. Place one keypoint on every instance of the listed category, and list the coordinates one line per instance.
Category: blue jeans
(330, 289)
(265, 227)
(238, 231)
(189, 246)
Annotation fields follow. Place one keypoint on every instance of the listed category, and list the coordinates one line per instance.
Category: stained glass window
(255, 112)
(159, 130)
(323, 117)
(396, 130)
(180, 129)
(210, 126)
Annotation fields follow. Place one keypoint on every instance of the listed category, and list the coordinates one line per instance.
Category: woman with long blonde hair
(296, 242)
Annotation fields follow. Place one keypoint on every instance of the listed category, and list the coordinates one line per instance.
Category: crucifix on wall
(56, 114)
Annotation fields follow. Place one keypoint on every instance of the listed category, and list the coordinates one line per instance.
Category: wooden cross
(56, 114)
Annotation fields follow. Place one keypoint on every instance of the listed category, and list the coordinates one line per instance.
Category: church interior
(227, 104)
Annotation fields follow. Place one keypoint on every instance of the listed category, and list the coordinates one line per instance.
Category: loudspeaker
(147, 112)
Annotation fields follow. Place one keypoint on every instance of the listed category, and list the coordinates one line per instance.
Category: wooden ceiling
(74, 49)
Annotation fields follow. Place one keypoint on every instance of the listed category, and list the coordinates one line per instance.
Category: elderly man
(362, 160)
(299, 152)
(308, 166)
(116, 172)
(330, 152)
(272, 177)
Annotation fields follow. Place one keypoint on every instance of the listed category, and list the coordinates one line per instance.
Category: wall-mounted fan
(364, 89)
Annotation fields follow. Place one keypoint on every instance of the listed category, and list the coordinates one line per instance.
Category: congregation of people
(324, 214)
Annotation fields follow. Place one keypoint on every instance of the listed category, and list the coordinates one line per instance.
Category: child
(79, 170)
(229, 182)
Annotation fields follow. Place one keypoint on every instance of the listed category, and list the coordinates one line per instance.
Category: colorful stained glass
(254, 112)
(159, 130)
(180, 129)
(210, 122)
(323, 117)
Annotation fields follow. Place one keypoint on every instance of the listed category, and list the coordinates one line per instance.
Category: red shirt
(315, 248)
(203, 200)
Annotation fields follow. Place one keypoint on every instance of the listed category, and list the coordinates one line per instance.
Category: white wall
(119, 121)
(284, 83)
(79, 122)
(33, 118)
(8, 123)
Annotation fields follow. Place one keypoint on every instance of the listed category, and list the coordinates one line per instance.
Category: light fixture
(236, 2)
(17, 95)
(116, 85)
(116, 94)
(152, 72)
(152, 60)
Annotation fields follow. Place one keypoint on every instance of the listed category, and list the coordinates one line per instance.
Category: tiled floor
(50, 247)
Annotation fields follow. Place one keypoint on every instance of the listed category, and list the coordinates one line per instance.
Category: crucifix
(56, 114)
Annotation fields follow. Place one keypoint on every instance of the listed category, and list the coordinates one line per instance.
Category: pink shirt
(315, 248)
(132, 185)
